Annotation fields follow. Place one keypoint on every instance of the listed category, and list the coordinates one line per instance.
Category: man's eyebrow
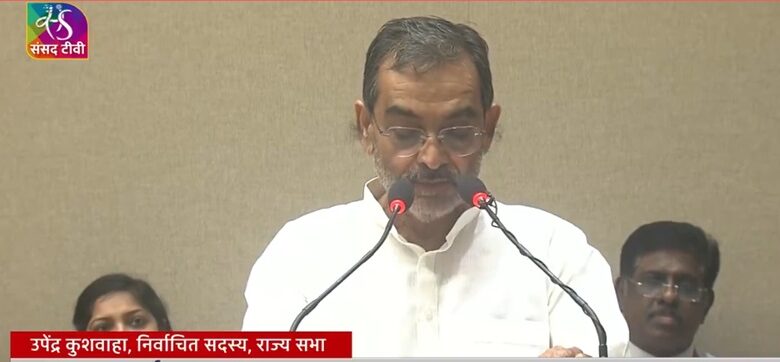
(396, 110)
(465, 112)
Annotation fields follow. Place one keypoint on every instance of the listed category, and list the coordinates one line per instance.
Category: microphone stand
(602, 334)
(313, 304)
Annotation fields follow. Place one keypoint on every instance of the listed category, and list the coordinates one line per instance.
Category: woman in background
(117, 302)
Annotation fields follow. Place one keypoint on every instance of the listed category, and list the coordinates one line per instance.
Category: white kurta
(475, 296)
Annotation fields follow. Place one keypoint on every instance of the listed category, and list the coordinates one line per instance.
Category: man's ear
(491, 121)
(362, 123)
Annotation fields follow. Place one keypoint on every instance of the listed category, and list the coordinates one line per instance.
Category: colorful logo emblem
(56, 31)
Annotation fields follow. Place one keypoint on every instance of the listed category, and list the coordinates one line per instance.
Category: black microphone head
(471, 189)
(400, 195)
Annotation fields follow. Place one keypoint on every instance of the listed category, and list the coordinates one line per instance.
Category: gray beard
(424, 209)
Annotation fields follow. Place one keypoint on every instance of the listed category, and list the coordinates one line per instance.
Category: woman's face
(119, 311)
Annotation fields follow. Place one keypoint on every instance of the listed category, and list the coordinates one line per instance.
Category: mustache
(424, 173)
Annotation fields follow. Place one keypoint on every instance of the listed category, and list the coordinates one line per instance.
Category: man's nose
(669, 293)
(433, 154)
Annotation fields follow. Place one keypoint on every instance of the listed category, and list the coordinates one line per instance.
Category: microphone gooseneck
(400, 197)
(474, 191)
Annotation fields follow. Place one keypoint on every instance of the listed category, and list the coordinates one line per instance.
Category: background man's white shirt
(634, 351)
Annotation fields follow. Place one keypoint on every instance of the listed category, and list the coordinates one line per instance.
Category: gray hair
(423, 43)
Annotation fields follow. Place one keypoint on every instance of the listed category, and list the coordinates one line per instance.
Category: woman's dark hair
(110, 283)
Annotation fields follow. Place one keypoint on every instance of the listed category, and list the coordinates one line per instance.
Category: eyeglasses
(655, 288)
(459, 141)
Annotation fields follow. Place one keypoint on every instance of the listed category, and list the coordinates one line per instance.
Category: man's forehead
(447, 87)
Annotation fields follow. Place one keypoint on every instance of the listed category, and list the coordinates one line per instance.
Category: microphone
(399, 197)
(474, 191)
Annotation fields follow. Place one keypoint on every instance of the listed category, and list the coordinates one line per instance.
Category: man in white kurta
(445, 283)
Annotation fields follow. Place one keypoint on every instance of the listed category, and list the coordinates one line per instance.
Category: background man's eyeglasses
(686, 291)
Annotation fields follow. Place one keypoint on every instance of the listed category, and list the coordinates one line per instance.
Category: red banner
(246, 345)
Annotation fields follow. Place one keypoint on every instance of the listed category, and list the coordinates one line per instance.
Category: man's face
(664, 323)
(443, 97)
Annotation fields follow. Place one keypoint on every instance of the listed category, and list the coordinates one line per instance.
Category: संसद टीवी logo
(56, 31)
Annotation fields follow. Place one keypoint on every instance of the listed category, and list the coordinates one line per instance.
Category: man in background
(445, 283)
(665, 287)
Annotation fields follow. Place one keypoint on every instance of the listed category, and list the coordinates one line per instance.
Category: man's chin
(430, 209)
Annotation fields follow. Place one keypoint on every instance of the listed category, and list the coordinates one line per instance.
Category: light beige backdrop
(195, 130)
